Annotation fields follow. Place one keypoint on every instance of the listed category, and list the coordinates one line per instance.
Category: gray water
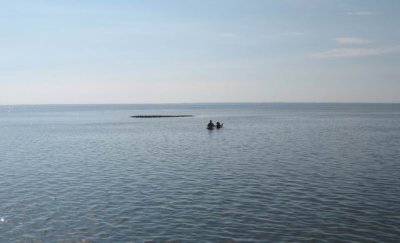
(275, 172)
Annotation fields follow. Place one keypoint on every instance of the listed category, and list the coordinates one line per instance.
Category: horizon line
(205, 103)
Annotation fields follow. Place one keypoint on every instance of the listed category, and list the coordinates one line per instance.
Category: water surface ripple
(275, 172)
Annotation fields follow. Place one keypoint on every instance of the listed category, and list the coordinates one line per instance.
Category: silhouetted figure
(210, 125)
(219, 125)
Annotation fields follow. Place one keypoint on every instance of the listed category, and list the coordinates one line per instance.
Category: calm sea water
(275, 172)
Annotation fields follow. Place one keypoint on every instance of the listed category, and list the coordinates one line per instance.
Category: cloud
(360, 13)
(356, 52)
(351, 41)
(227, 35)
(293, 33)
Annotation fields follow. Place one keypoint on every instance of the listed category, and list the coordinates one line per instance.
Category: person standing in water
(210, 125)
(219, 125)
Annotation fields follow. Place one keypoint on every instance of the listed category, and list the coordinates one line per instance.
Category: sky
(192, 51)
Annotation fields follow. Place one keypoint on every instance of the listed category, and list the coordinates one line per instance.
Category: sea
(275, 172)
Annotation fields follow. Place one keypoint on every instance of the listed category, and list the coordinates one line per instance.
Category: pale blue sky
(167, 51)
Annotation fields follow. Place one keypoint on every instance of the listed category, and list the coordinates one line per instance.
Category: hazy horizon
(202, 103)
(236, 51)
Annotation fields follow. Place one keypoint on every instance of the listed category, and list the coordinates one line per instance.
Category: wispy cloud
(351, 41)
(357, 52)
(293, 33)
(226, 35)
(360, 13)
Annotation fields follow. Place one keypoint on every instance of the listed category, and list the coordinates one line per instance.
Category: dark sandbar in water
(160, 116)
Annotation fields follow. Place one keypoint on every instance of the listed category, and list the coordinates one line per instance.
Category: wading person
(210, 125)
